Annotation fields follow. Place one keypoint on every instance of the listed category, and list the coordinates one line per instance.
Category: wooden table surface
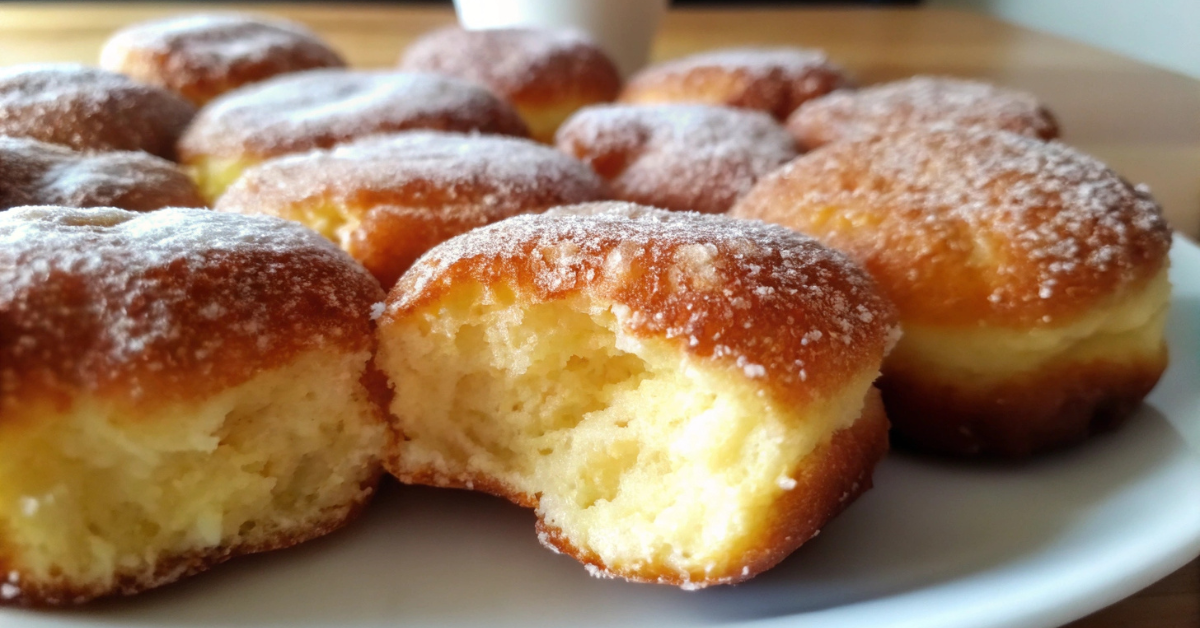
(1143, 121)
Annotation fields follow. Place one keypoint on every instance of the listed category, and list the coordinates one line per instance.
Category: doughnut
(37, 173)
(919, 100)
(1031, 280)
(681, 157)
(90, 109)
(682, 398)
(177, 388)
(301, 111)
(546, 74)
(387, 199)
(774, 80)
(201, 56)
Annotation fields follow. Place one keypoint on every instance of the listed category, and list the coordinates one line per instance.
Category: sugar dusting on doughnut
(121, 303)
(90, 109)
(501, 171)
(1061, 229)
(775, 80)
(528, 65)
(759, 63)
(920, 100)
(387, 199)
(203, 55)
(321, 108)
(682, 157)
(668, 269)
(39, 173)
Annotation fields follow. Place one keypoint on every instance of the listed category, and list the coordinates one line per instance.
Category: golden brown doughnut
(919, 100)
(388, 199)
(37, 173)
(177, 388)
(681, 157)
(1031, 280)
(682, 398)
(90, 109)
(546, 74)
(774, 80)
(303, 111)
(204, 55)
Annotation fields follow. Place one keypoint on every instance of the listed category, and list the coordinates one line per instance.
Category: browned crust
(39, 173)
(172, 568)
(738, 78)
(969, 226)
(190, 54)
(677, 156)
(412, 190)
(1054, 407)
(846, 114)
(302, 111)
(769, 300)
(531, 68)
(164, 306)
(90, 109)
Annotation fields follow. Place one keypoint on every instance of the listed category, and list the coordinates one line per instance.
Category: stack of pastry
(397, 276)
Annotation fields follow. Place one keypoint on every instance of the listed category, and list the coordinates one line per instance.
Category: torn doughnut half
(177, 388)
(682, 398)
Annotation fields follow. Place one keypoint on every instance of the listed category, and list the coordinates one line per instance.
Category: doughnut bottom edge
(1042, 411)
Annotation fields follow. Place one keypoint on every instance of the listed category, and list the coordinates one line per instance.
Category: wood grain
(1142, 120)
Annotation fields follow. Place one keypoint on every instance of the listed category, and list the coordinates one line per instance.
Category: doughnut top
(169, 305)
(320, 108)
(488, 176)
(683, 157)
(775, 80)
(204, 55)
(90, 109)
(919, 100)
(967, 226)
(528, 66)
(37, 173)
(757, 298)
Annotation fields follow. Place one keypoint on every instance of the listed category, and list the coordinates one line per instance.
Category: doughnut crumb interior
(587, 363)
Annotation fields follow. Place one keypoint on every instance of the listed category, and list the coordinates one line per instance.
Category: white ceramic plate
(934, 545)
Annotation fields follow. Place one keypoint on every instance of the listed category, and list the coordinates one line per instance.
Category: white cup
(624, 28)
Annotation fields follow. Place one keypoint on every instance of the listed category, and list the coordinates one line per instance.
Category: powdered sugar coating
(166, 305)
(526, 66)
(774, 80)
(321, 108)
(968, 226)
(90, 109)
(408, 191)
(38, 173)
(204, 55)
(919, 100)
(744, 294)
(681, 157)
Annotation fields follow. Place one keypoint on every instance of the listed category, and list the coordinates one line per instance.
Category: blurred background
(1163, 32)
